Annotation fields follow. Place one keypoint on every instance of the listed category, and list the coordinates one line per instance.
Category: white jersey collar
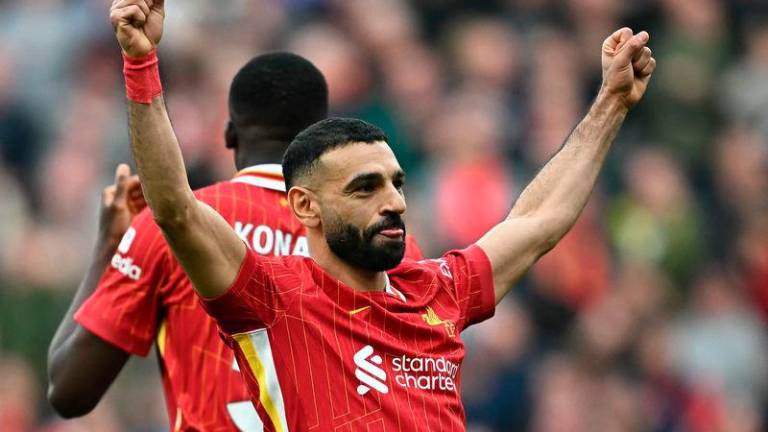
(268, 176)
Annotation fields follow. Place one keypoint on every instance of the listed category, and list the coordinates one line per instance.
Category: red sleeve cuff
(223, 307)
(480, 267)
(118, 336)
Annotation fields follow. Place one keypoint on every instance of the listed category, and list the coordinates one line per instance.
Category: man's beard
(359, 249)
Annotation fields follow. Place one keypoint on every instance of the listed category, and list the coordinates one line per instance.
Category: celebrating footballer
(354, 337)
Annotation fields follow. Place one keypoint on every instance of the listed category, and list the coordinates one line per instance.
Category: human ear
(304, 206)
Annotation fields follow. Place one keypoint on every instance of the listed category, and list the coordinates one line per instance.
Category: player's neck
(354, 277)
(246, 161)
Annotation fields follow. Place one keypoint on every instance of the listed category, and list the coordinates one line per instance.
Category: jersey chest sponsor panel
(145, 297)
(319, 356)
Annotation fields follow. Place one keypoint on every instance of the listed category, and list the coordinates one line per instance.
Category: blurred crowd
(649, 316)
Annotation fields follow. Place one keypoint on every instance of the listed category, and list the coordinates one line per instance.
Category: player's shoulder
(230, 194)
(210, 192)
(410, 269)
(438, 272)
(288, 269)
(417, 274)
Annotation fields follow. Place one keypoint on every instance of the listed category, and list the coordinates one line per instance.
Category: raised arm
(202, 241)
(82, 366)
(551, 203)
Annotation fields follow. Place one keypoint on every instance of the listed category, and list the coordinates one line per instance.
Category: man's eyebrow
(362, 179)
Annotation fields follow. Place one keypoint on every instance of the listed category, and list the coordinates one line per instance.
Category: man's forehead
(347, 160)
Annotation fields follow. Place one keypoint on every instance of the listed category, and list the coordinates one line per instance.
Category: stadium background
(651, 314)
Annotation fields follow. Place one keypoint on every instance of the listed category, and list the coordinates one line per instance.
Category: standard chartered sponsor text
(425, 373)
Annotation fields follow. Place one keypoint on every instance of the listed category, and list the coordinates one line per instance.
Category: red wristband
(142, 77)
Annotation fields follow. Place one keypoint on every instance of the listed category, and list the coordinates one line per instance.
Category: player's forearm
(159, 163)
(62, 356)
(562, 188)
(102, 256)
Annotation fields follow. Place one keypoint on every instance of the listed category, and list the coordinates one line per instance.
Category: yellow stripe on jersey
(161, 335)
(258, 353)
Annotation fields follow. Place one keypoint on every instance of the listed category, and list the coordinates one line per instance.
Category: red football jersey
(144, 297)
(320, 356)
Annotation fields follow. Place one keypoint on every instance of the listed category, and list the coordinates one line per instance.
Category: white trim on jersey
(392, 290)
(250, 176)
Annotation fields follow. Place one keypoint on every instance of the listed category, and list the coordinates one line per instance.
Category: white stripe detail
(260, 340)
(392, 290)
(244, 416)
(273, 168)
(261, 182)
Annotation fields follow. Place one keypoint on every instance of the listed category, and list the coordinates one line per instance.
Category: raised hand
(138, 24)
(134, 196)
(119, 204)
(627, 65)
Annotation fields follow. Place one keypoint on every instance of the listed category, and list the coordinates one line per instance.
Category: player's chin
(386, 252)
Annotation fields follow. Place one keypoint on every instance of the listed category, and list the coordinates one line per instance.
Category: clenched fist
(627, 65)
(138, 24)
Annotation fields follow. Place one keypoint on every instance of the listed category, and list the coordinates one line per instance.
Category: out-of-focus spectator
(413, 81)
(496, 386)
(592, 18)
(469, 171)
(15, 216)
(18, 395)
(656, 219)
(380, 25)
(20, 133)
(740, 165)
(752, 254)
(555, 94)
(719, 349)
(691, 50)
(486, 52)
(577, 271)
(745, 95)
(561, 397)
(339, 59)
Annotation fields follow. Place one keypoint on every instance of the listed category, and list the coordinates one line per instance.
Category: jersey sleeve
(255, 299)
(468, 274)
(124, 308)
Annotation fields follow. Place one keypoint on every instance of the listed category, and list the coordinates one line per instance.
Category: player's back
(145, 297)
(206, 368)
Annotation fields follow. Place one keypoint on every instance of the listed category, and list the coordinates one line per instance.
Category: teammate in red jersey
(144, 296)
(352, 338)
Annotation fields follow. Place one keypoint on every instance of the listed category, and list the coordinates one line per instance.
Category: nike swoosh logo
(357, 311)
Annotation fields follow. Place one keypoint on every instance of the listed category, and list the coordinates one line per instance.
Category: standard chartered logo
(421, 373)
(425, 373)
(368, 371)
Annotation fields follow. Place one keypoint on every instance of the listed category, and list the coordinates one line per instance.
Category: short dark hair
(323, 136)
(278, 90)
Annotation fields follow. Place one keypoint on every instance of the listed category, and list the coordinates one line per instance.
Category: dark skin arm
(82, 366)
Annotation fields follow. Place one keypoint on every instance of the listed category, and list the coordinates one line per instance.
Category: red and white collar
(394, 292)
(268, 176)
